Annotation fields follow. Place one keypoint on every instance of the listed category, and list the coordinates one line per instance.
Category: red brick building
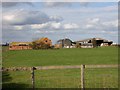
(27, 45)
(20, 46)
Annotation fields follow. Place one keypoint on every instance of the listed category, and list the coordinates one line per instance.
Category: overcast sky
(27, 21)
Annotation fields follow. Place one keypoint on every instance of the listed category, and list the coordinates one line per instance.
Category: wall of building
(19, 47)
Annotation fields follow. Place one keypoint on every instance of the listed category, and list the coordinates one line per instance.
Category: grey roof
(63, 39)
(85, 40)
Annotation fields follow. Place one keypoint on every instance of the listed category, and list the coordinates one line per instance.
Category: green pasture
(76, 56)
(67, 78)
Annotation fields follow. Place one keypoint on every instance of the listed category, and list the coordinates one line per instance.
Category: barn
(65, 43)
(89, 43)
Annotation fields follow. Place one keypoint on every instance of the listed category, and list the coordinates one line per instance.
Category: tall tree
(43, 43)
(94, 42)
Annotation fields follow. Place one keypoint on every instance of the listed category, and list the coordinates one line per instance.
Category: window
(10, 46)
(22, 45)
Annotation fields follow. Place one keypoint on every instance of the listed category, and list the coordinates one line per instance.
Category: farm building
(65, 43)
(45, 40)
(19, 45)
(28, 45)
(42, 43)
(89, 43)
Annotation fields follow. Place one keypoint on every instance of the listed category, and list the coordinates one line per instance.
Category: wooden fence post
(33, 77)
(82, 77)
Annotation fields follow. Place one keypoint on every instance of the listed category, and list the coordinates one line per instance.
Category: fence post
(82, 77)
(33, 77)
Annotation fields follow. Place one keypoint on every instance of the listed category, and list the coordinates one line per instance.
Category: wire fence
(80, 76)
(101, 78)
(68, 78)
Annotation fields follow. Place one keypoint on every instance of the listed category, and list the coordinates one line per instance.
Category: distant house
(64, 43)
(88, 43)
(19, 46)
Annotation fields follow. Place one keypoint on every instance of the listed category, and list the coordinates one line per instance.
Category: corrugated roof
(84, 40)
(64, 39)
(105, 40)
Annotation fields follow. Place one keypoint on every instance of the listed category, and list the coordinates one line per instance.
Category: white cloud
(38, 26)
(18, 27)
(89, 26)
(48, 25)
(22, 17)
(98, 24)
(94, 21)
(111, 23)
(70, 26)
(44, 32)
(51, 26)
(56, 25)
(8, 17)
(56, 18)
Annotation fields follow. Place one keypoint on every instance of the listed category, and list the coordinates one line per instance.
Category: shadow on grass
(8, 85)
(14, 86)
(6, 77)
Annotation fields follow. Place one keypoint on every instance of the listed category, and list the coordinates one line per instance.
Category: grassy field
(104, 55)
(70, 78)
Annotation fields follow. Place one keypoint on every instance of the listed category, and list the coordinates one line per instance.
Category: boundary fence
(81, 67)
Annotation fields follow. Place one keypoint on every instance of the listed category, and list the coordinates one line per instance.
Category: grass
(104, 55)
(70, 78)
